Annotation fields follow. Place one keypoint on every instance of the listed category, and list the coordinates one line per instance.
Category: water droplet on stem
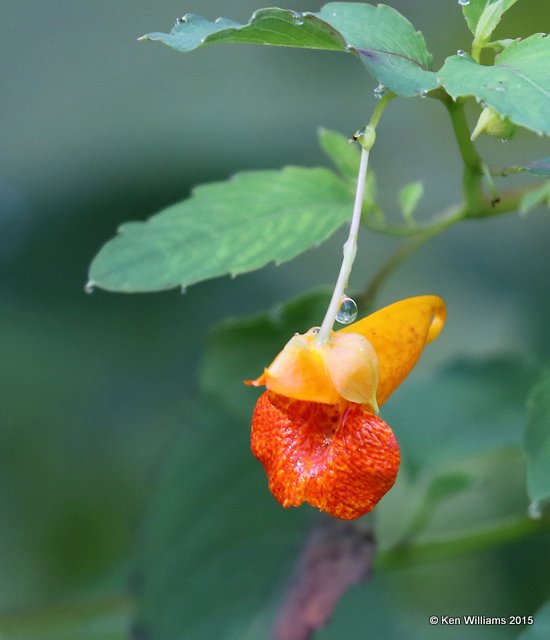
(379, 91)
(89, 287)
(347, 312)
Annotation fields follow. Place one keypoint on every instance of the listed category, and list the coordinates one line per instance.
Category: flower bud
(492, 124)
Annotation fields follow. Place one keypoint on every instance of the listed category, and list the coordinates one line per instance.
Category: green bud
(492, 124)
(365, 137)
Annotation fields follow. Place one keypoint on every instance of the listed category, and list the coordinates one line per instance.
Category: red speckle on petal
(340, 459)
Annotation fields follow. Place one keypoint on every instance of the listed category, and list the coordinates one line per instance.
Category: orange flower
(316, 429)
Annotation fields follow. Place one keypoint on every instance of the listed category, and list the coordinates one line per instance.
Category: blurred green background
(98, 129)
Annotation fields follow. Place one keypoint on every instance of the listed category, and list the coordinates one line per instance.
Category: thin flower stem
(350, 246)
(350, 250)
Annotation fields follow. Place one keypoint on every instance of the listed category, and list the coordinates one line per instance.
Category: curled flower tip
(339, 458)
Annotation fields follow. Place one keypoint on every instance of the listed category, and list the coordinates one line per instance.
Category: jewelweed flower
(316, 429)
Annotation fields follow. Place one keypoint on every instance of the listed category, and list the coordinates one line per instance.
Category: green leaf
(540, 630)
(240, 349)
(472, 12)
(483, 16)
(387, 43)
(409, 507)
(281, 27)
(390, 47)
(409, 197)
(93, 620)
(226, 227)
(467, 407)
(216, 545)
(537, 443)
(344, 155)
(516, 86)
(535, 198)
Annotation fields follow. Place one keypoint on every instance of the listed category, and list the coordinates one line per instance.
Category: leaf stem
(417, 237)
(350, 246)
(473, 165)
(366, 299)
(469, 542)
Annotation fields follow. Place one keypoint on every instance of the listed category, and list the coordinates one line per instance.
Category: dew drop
(460, 52)
(182, 20)
(89, 287)
(218, 20)
(297, 18)
(504, 140)
(379, 91)
(347, 313)
(463, 3)
(314, 330)
(423, 93)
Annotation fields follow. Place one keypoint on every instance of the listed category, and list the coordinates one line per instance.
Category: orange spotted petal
(398, 334)
(340, 458)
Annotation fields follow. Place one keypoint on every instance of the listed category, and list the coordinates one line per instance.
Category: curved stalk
(350, 250)
(350, 246)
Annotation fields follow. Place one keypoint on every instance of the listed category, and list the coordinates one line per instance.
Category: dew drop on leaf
(463, 3)
(89, 287)
(460, 52)
(347, 313)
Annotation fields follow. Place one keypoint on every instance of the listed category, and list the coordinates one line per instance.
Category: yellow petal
(352, 365)
(345, 367)
(299, 372)
(398, 334)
